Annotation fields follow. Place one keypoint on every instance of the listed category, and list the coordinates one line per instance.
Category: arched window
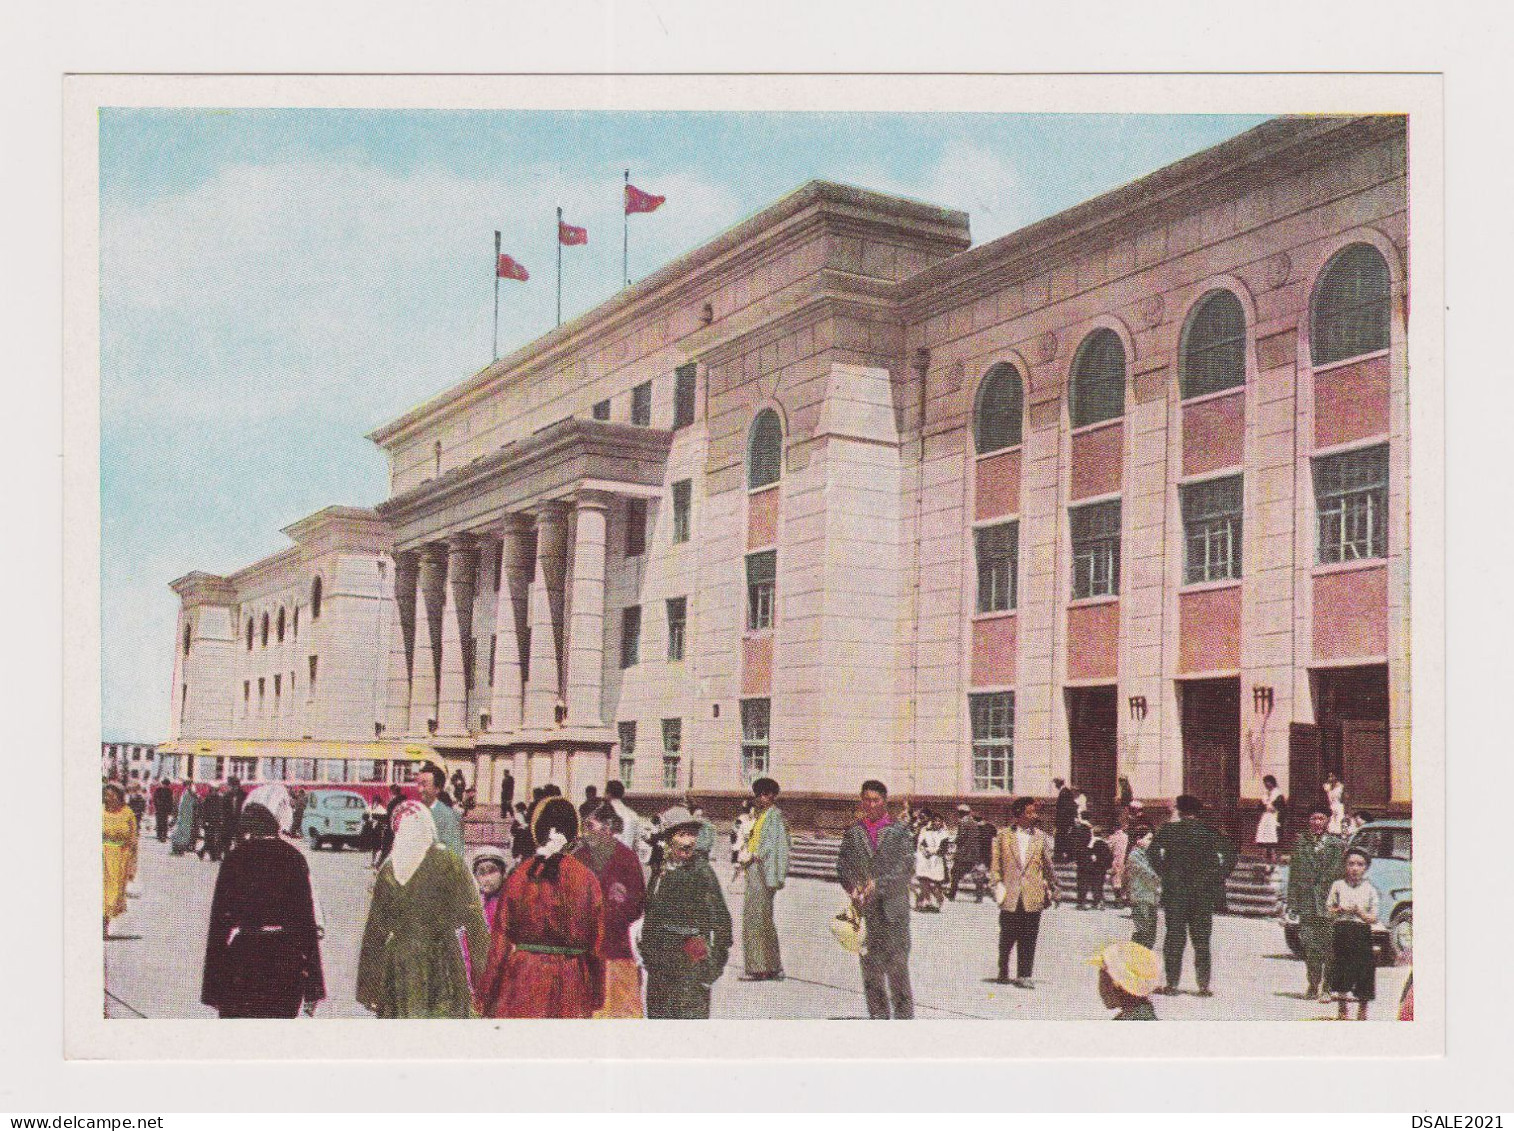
(249, 634)
(1214, 345)
(315, 599)
(265, 630)
(186, 638)
(764, 450)
(281, 624)
(1000, 407)
(1349, 313)
(1098, 379)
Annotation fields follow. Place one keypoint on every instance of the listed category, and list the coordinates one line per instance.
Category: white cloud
(985, 184)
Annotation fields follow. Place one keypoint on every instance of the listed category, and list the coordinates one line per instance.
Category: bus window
(403, 772)
(304, 769)
(369, 770)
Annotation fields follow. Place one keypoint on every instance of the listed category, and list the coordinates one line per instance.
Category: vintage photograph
(755, 565)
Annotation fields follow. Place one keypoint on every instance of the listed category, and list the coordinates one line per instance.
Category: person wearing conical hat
(1128, 973)
(423, 922)
(686, 932)
(545, 951)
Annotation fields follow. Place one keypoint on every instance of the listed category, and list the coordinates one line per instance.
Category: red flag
(638, 201)
(568, 235)
(509, 269)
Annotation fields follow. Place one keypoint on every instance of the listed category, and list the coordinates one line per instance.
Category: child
(1144, 888)
(1353, 907)
(1128, 972)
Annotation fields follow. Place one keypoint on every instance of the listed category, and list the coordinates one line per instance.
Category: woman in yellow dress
(120, 841)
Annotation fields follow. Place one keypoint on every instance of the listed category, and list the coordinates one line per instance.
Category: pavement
(153, 963)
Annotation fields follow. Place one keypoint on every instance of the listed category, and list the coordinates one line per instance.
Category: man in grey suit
(876, 865)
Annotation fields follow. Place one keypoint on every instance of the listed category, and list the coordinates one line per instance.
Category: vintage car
(334, 817)
(1389, 843)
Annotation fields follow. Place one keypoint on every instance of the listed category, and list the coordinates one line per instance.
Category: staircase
(1250, 890)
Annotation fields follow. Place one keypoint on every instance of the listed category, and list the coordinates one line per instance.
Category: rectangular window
(761, 588)
(314, 664)
(636, 527)
(683, 509)
(244, 769)
(499, 564)
(402, 772)
(246, 696)
(1351, 497)
(627, 752)
(756, 724)
(493, 652)
(303, 769)
(993, 721)
(641, 404)
(630, 636)
(602, 410)
(334, 770)
(672, 746)
(683, 395)
(678, 615)
(1212, 530)
(1096, 549)
(262, 694)
(998, 566)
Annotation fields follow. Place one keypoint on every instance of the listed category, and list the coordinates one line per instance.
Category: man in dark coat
(1066, 814)
(163, 807)
(236, 797)
(214, 810)
(262, 954)
(1093, 860)
(969, 851)
(876, 865)
(1316, 863)
(686, 932)
(1193, 861)
(507, 795)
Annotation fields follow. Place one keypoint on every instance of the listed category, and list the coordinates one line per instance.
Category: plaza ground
(153, 967)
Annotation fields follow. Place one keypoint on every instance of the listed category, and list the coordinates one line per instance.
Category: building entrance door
(1353, 722)
(1093, 733)
(1211, 721)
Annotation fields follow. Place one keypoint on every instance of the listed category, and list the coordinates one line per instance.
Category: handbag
(850, 928)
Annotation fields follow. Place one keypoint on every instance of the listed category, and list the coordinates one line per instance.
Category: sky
(274, 284)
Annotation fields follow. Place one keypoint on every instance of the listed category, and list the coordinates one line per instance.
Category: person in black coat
(506, 794)
(214, 811)
(1066, 814)
(1093, 866)
(163, 808)
(262, 953)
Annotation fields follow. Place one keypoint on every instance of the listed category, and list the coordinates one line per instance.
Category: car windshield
(345, 801)
(1386, 844)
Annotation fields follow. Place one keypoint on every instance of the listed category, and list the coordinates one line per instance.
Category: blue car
(1389, 843)
(334, 817)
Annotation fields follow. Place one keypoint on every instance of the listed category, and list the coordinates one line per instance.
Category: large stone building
(1123, 494)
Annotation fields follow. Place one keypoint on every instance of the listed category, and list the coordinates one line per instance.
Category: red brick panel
(761, 519)
(1093, 639)
(1351, 403)
(757, 665)
(1209, 630)
(1213, 432)
(998, 490)
(994, 652)
(1098, 461)
(1351, 614)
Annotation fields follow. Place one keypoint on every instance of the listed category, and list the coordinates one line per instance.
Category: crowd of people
(591, 910)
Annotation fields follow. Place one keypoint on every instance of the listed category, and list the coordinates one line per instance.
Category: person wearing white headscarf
(424, 922)
(274, 797)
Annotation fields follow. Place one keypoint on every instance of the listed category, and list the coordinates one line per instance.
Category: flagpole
(559, 265)
(496, 295)
(625, 232)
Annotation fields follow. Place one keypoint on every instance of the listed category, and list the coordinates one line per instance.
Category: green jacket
(411, 964)
(1192, 860)
(684, 902)
(1143, 883)
(1315, 864)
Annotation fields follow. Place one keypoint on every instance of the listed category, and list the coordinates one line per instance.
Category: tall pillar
(401, 644)
(430, 602)
(517, 561)
(456, 635)
(546, 601)
(586, 632)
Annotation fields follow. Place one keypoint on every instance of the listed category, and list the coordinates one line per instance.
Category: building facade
(130, 763)
(1122, 495)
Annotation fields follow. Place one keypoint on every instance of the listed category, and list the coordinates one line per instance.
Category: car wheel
(1291, 936)
(1401, 936)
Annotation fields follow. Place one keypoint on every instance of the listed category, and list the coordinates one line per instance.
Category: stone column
(425, 670)
(546, 601)
(586, 632)
(517, 562)
(456, 635)
(401, 644)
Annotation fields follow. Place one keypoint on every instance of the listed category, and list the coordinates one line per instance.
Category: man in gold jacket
(1024, 885)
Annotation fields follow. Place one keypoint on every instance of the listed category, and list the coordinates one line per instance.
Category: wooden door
(1093, 732)
(1306, 772)
(1211, 720)
(1364, 762)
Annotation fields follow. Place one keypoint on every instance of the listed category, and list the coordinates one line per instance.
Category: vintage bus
(366, 768)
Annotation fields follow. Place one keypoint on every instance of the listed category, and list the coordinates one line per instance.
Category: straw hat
(1130, 966)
